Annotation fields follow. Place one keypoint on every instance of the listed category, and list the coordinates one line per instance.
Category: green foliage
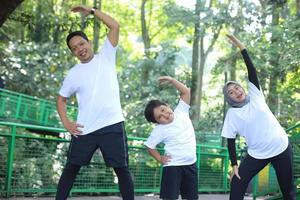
(34, 57)
(273, 49)
(34, 60)
(133, 95)
(35, 69)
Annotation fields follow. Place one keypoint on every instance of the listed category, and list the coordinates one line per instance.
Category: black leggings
(249, 167)
(69, 174)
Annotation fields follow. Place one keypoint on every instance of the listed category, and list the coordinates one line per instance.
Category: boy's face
(163, 114)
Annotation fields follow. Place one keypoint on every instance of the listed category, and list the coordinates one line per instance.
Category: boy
(175, 130)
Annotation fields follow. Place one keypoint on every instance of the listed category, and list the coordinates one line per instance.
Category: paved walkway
(147, 197)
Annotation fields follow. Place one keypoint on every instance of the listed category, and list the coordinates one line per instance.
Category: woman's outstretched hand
(234, 41)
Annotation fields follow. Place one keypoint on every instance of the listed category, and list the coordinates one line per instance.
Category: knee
(236, 182)
(72, 168)
(122, 171)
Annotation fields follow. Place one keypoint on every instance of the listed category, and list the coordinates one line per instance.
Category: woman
(251, 118)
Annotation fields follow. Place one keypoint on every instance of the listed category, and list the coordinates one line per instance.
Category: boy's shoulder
(182, 107)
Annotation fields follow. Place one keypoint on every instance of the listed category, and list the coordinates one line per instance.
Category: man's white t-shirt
(255, 122)
(177, 136)
(97, 90)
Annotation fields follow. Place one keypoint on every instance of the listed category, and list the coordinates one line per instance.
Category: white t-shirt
(97, 90)
(255, 122)
(178, 137)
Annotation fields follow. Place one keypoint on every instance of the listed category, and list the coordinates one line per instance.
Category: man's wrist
(242, 47)
(93, 11)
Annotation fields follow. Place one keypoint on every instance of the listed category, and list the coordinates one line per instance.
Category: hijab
(231, 102)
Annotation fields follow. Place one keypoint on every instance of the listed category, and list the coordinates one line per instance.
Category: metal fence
(30, 110)
(31, 164)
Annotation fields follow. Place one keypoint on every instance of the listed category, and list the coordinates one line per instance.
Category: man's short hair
(149, 110)
(76, 33)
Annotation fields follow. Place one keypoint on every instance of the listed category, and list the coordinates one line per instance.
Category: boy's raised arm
(185, 93)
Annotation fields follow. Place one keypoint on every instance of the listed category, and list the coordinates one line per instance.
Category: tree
(278, 73)
(209, 29)
(96, 28)
(7, 7)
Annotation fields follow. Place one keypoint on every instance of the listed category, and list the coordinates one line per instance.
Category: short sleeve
(108, 50)
(182, 107)
(230, 128)
(154, 139)
(67, 88)
(254, 92)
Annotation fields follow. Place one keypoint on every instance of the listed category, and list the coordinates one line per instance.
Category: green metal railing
(30, 110)
(32, 164)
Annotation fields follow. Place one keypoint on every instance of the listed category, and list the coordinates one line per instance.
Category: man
(100, 123)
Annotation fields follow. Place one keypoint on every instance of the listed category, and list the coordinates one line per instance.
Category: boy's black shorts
(111, 140)
(179, 180)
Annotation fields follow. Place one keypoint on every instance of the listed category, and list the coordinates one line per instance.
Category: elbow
(188, 91)
(61, 99)
(116, 26)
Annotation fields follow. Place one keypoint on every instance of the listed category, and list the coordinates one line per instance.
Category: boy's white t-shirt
(97, 90)
(177, 136)
(255, 122)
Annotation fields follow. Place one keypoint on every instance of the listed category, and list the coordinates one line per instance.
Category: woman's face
(236, 92)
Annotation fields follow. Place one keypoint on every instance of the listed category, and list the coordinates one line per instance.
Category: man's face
(81, 49)
(236, 93)
(163, 114)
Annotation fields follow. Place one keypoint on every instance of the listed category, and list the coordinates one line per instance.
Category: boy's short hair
(149, 110)
(76, 33)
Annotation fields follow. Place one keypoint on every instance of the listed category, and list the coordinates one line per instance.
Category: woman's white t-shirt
(255, 122)
(178, 137)
(97, 90)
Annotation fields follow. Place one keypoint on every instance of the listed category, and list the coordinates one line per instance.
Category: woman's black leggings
(69, 174)
(249, 167)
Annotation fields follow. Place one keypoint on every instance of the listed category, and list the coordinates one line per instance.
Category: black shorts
(179, 180)
(111, 140)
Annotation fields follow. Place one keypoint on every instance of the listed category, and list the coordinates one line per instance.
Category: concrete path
(147, 197)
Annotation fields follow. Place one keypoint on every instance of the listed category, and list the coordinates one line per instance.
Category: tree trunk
(195, 61)
(6, 8)
(37, 31)
(200, 73)
(145, 34)
(274, 61)
(96, 30)
(83, 23)
(197, 90)
(298, 7)
(147, 45)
